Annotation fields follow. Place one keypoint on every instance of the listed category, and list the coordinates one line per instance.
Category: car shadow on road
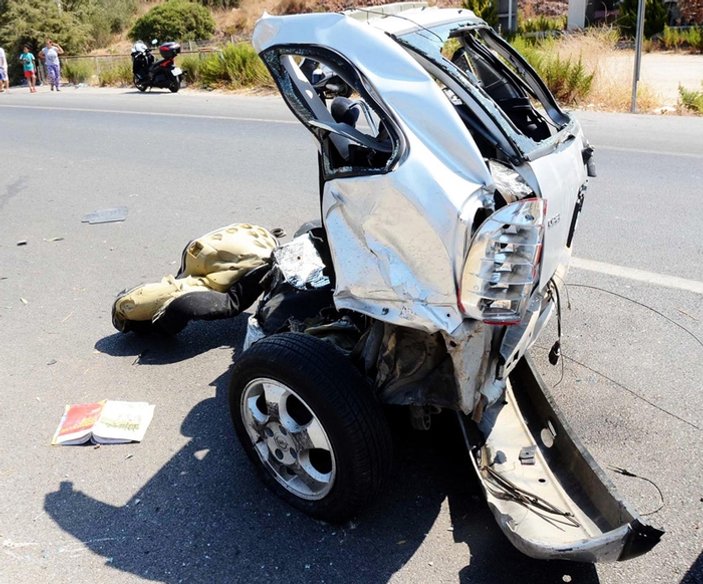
(205, 517)
(694, 575)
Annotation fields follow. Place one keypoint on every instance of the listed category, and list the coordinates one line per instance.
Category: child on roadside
(28, 60)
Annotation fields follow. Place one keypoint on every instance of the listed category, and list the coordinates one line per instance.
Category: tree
(175, 20)
(24, 22)
(655, 17)
(104, 18)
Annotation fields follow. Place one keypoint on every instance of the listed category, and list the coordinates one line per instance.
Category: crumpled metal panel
(398, 239)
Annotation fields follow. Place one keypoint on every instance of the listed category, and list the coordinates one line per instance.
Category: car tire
(309, 423)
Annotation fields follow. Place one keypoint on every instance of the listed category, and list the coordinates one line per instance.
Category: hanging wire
(627, 473)
(683, 328)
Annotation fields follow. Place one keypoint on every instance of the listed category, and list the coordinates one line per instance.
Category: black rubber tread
(341, 399)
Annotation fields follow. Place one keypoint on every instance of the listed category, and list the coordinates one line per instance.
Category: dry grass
(611, 89)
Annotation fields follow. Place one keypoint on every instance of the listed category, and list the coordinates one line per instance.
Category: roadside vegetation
(580, 68)
(691, 100)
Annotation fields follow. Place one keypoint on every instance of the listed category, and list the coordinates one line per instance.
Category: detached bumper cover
(548, 495)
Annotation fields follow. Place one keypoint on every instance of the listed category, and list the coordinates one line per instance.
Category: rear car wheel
(310, 424)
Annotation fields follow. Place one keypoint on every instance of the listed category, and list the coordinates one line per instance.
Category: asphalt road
(184, 505)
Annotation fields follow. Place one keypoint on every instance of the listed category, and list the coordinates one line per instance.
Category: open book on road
(104, 422)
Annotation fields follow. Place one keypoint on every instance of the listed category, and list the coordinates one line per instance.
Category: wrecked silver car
(450, 187)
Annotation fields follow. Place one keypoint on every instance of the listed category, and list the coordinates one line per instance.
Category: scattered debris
(278, 232)
(54, 239)
(111, 215)
(52, 362)
(24, 300)
(22, 242)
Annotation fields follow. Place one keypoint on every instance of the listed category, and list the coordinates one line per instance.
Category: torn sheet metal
(111, 215)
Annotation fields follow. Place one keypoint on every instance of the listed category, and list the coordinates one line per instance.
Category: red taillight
(502, 265)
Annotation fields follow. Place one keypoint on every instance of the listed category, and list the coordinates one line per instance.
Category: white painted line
(644, 151)
(638, 275)
(161, 114)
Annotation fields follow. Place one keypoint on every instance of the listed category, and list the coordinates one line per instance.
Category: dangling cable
(627, 473)
(555, 351)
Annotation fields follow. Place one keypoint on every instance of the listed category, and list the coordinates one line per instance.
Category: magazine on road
(104, 422)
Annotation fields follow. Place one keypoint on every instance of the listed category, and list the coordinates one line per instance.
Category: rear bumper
(547, 493)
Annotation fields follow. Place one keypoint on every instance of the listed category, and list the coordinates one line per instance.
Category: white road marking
(160, 114)
(644, 151)
(638, 275)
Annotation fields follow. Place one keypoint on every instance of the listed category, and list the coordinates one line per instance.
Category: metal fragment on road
(111, 215)
(22, 242)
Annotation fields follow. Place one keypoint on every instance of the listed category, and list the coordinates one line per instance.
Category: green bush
(180, 20)
(486, 9)
(675, 39)
(77, 70)
(568, 80)
(116, 74)
(191, 68)
(654, 23)
(235, 67)
(691, 100)
(541, 24)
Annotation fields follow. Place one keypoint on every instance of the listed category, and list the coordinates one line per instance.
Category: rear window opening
(326, 93)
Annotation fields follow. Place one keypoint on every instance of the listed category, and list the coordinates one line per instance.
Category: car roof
(405, 17)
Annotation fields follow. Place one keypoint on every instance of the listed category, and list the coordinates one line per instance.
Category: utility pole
(638, 54)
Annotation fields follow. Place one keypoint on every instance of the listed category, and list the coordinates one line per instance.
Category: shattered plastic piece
(24, 300)
(54, 239)
(106, 215)
(22, 242)
(52, 362)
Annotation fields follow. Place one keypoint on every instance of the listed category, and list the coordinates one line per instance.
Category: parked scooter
(149, 73)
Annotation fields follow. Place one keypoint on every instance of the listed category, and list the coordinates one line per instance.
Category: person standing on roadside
(28, 60)
(4, 80)
(50, 56)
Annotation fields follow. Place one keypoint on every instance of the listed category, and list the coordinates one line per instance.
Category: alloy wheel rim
(288, 438)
